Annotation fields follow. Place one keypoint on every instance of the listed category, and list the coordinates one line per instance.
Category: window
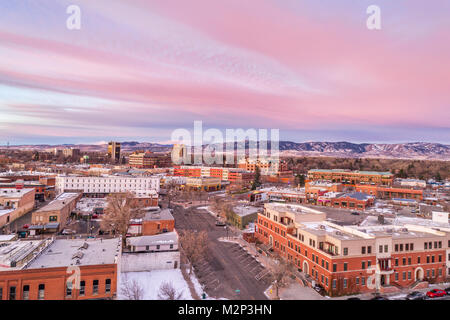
(363, 265)
(41, 292)
(53, 218)
(432, 259)
(334, 267)
(82, 288)
(69, 289)
(380, 249)
(440, 258)
(418, 260)
(334, 283)
(157, 247)
(409, 261)
(95, 287)
(409, 275)
(425, 245)
(411, 246)
(326, 265)
(345, 251)
(401, 246)
(107, 285)
(363, 281)
(404, 275)
(396, 262)
(345, 266)
(407, 247)
(432, 273)
(428, 259)
(396, 248)
(1, 293)
(357, 280)
(12, 293)
(345, 283)
(369, 249)
(404, 261)
(369, 263)
(363, 250)
(396, 276)
(26, 292)
(386, 247)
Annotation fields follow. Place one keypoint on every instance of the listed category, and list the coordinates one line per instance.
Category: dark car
(353, 298)
(220, 223)
(319, 289)
(355, 213)
(447, 290)
(379, 298)
(415, 295)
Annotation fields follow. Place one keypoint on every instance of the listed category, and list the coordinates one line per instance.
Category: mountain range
(414, 150)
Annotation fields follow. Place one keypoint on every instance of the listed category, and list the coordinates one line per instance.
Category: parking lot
(227, 270)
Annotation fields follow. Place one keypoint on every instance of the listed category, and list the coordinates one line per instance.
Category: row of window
(41, 290)
(430, 259)
(25, 292)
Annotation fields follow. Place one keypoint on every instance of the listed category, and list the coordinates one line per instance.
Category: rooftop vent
(78, 255)
(84, 246)
(338, 233)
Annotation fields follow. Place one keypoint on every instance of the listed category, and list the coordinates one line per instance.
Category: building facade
(105, 185)
(349, 259)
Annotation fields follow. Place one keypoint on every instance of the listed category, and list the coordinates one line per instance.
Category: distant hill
(414, 150)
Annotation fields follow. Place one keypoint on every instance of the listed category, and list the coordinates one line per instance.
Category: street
(227, 271)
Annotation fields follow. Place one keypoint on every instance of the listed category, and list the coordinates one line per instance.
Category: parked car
(353, 298)
(447, 290)
(220, 223)
(355, 213)
(26, 226)
(68, 231)
(319, 289)
(415, 295)
(435, 293)
(379, 298)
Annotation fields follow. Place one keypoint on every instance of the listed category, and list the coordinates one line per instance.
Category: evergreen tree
(257, 181)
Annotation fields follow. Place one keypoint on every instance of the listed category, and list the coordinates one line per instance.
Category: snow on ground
(207, 209)
(150, 281)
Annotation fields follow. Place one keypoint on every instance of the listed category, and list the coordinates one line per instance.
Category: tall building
(114, 151)
(179, 154)
(141, 159)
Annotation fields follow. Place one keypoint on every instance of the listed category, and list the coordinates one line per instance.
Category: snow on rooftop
(62, 251)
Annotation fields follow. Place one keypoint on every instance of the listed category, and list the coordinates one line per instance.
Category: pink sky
(139, 69)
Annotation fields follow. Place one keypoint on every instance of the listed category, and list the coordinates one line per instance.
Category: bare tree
(193, 246)
(131, 290)
(172, 191)
(168, 292)
(119, 211)
(280, 270)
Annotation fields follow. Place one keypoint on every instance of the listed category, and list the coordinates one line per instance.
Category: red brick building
(349, 259)
(89, 265)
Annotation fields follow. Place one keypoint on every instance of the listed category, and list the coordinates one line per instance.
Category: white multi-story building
(106, 184)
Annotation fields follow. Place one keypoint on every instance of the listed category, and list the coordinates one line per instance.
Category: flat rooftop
(323, 229)
(17, 250)
(158, 239)
(292, 208)
(14, 193)
(66, 252)
(60, 202)
(164, 214)
(243, 211)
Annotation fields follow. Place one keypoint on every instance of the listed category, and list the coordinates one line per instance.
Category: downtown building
(105, 185)
(233, 175)
(348, 259)
(60, 269)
